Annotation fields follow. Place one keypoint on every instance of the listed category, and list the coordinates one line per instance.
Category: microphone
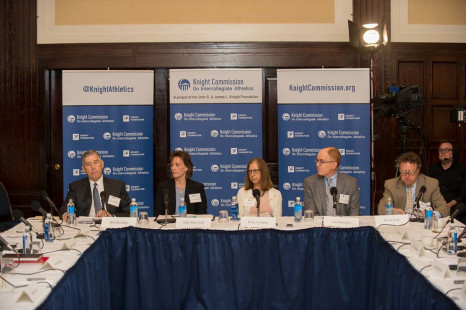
(257, 194)
(165, 199)
(165, 203)
(35, 205)
(460, 209)
(422, 190)
(6, 244)
(18, 216)
(46, 197)
(103, 199)
(334, 192)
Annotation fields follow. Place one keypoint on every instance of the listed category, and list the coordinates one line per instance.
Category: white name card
(193, 222)
(118, 222)
(52, 263)
(396, 220)
(440, 269)
(341, 221)
(68, 245)
(29, 294)
(258, 222)
(417, 247)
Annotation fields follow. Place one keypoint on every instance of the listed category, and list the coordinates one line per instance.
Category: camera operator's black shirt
(452, 181)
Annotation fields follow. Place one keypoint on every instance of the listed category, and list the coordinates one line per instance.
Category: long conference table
(306, 266)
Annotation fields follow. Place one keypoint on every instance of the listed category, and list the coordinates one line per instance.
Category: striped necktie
(329, 197)
(409, 199)
(97, 203)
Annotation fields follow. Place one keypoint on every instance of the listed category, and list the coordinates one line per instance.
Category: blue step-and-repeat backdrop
(318, 108)
(111, 112)
(216, 116)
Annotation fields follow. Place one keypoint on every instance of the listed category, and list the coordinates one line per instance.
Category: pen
(35, 279)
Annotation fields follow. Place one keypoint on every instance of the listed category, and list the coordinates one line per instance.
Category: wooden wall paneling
(161, 126)
(445, 81)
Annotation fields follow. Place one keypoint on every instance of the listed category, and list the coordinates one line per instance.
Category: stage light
(371, 36)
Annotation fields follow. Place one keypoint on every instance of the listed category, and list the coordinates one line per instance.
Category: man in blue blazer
(317, 187)
(85, 192)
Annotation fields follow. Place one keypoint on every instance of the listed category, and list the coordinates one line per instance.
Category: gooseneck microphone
(459, 209)
(46, 197)
(422, 190)
(103, 200)
(35, 205)
(334, 192)
(18, 216)
(6, 244)
(257, 194)
(166, 220)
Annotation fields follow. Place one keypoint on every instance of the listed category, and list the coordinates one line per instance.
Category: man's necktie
(329, 197)
(409, 199)
(97, 203)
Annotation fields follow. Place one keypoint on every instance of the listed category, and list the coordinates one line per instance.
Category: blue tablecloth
(318, 268)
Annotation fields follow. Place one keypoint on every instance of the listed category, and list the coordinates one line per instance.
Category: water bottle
(182, 208)
(133, 208)
(428, 220)
(452, 240)
(298, 210)
(389, 207)
(234, 209)
(27, 241)
(48, 228)
(71, 213)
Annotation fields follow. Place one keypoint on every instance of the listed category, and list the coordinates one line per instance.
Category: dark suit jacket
(396, 189)
(80, 192)
(315, 196)
(192, 187)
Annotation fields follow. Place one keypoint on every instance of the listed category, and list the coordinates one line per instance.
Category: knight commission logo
(234, 185)
(214, 133)
(214, 202)
(76, 172)
(71, 119)
(214, 168)
(107, 135)
(178, 116)
(342, 152)
(178, 149)
(71, 154)
(286, 151)
(322, 134)
(184, 85)
(286, 116)
(286, 186)
(107, 171)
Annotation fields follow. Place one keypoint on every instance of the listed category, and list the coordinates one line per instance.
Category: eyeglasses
(254, 171)
(443, 151)
(410, 173)
(320, 162)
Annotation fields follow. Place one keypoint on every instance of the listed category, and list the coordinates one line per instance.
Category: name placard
(30, 294)
(417, 247)
(258, 222)
(193, 222)
(440, 269)
(396, 220)
(118, 222)
(341, 222)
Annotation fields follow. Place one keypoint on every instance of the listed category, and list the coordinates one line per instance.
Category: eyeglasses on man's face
(254, 171)
(320, 161)
(443, 151)
(410, 173)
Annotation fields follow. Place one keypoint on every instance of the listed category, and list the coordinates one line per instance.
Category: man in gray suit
(85, 193)
(404, 189)
(317, 187)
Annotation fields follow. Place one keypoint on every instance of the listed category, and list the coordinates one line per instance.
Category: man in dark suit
(404, 189)
(85, 193)
(317, 194)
